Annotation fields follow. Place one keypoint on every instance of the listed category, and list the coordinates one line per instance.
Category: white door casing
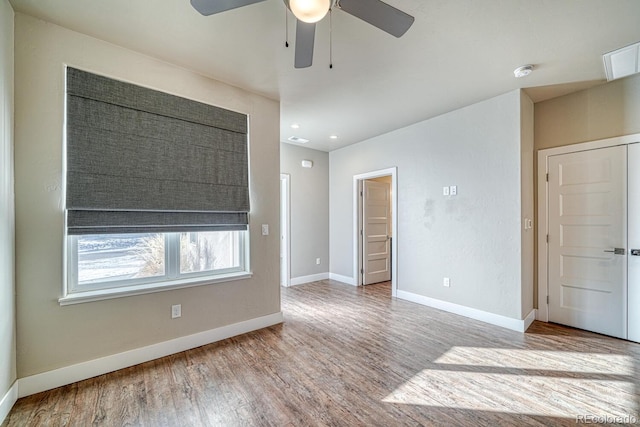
(633, 284)
(375, 229)
(586, 222)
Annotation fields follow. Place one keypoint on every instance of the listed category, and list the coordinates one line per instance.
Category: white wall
(473, 238)
(7, 286)
(50, 336)
(309, 209)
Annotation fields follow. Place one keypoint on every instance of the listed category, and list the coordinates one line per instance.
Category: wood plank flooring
(349, 356)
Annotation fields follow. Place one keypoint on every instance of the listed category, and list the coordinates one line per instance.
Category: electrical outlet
(317, 261)
(176, 311)
(446, 282)
(265, 229)
(453, 190)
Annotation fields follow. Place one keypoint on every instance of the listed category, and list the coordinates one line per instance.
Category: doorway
(375, 227)
(589, 236)
(285, 228)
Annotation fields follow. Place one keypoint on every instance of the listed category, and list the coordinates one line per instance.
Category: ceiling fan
(308, 12)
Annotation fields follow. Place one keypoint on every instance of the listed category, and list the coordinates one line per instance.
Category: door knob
(635, 252)
(616, 251)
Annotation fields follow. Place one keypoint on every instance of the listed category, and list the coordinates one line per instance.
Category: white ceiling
(458, 52)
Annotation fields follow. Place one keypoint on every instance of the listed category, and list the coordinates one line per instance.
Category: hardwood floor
(349, 356)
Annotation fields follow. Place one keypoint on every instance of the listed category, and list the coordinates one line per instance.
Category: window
(157, 190)
(135, 260)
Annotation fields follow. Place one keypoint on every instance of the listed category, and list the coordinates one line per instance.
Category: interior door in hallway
(375, 232)
(587, 240)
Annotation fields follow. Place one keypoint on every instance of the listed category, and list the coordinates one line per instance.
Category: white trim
(393, 171)
(127, 291)
(308, 279)
(528, 320)
(287, 220)
(8, 400)
(543, 211)
(543, 230)
(343, 279)
(591, 145)
(81, 371)
(472, 313)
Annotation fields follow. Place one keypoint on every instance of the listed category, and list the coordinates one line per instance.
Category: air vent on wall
(622, 62)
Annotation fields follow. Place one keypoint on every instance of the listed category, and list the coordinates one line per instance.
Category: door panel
(375, 231)
(587, 218)
(634, 242)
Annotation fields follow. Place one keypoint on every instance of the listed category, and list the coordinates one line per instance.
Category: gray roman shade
(139, 160)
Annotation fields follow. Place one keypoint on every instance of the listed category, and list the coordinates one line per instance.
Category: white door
(633, 324)
(587, 222)
(375, 231)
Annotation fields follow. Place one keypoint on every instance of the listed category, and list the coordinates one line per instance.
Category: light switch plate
(265, 229)
(445, 191)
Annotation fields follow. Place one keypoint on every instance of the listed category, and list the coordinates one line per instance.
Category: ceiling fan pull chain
(330, 39)
(286, 28)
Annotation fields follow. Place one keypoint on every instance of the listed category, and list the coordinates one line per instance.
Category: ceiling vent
(622, 62)
(298, 140)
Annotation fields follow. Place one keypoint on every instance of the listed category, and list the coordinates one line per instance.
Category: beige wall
(309, 209)
(527, 196)
(7, 286)
(605, 111)
(50, 336)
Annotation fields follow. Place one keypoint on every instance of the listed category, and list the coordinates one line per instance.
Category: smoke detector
(523, 71)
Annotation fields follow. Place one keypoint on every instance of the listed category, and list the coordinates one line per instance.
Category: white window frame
(74, 293)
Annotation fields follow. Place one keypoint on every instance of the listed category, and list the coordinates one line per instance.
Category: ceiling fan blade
(211, 7)
(379, 14)
(305, 36)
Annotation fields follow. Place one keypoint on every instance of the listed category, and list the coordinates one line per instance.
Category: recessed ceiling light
(523, 71)
(295, 126)
(333, 136)
(298, 140)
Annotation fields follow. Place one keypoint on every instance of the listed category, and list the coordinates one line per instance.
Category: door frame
(357, 220)
(285, 217)
(542, 312)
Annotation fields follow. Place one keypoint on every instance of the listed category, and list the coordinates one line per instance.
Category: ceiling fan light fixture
(309, 11)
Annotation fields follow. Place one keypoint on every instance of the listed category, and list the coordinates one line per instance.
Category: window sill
(126, 291)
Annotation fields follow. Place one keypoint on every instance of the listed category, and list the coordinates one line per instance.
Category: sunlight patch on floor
(565, 361)
(587, 378)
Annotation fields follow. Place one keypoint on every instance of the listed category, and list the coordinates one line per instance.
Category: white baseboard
(301, 280)
(8, 400)
(473, 313)
(81, 371)
(529, 319)
(343, 279)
